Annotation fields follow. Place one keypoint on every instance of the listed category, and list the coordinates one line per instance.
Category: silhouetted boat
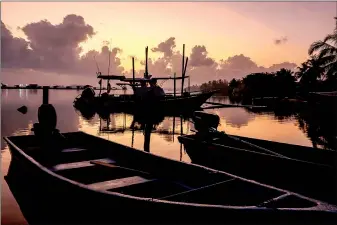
(169, 104)
(305, 170)
(185, 102)
(82, 178)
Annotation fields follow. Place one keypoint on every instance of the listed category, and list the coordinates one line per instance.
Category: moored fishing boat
(77, 178)
(301, 169)
(183, 102)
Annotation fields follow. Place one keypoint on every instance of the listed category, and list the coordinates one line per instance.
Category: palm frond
(328, 59)
(319, 45)
(328, 52)
(331, 38)
(331, 71)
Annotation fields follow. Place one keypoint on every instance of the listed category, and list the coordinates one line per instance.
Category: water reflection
(158, 135)
(160, 125)
(320, 127)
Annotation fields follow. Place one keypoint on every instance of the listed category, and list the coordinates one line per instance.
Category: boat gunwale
(320, 206)
(192, 138)
(171, 97)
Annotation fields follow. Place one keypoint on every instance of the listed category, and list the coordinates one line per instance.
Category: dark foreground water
(306, 128)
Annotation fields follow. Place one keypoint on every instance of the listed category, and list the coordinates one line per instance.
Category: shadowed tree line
(220, 85)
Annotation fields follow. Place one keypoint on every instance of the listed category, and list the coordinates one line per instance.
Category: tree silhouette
(310, 73)
(326, 51)
(285, 85)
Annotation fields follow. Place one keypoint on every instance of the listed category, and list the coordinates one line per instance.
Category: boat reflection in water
(146, 124)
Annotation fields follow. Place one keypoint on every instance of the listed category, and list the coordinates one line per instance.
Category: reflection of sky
(234, 117)
(235, 121)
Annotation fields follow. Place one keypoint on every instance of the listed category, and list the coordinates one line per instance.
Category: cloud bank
(55, 48)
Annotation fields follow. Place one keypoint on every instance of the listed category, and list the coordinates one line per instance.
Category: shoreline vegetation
(317, 74)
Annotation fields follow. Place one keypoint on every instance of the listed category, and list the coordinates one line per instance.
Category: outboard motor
(206, 124)
(88, 93)
(45, 130)
(85, 99)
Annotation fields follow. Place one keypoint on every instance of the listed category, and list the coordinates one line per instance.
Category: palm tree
(327, 52)
(285, 83)
(310, 71)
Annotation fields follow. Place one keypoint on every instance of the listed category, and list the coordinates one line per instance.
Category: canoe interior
(107, 166)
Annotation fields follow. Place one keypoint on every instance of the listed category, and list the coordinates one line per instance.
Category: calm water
(306, 128)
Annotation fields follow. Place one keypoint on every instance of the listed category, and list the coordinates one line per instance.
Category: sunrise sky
(266, 33)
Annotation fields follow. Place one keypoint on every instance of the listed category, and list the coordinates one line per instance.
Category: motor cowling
(88, 93)
(204, 122)
(47, 116)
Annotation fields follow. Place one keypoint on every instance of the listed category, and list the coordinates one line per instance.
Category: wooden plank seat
(119, 183)
(73, 150)
(108, 164)
(74, 165)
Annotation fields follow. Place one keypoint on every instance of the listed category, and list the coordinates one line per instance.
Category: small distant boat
(305, 170)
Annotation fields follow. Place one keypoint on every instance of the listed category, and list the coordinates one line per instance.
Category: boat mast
(108, 80)
(185, 71)
(133, 70)
(146, 74)
(182, 71)
(100, 81)
(174, 85)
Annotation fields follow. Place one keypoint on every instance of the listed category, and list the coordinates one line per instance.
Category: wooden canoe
(305, 170)
(84, 179)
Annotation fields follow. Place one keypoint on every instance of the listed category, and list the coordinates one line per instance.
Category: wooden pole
(185, 67)
(182, 70)
(174, 126)
(181, 133)
(181, 125)
(133, 69)
(100, 87)
(146, 69)
(45, 95)
(174, 85)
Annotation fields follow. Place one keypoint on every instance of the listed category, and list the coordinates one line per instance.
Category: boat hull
(46, 199)
(127, 103)
(316, 180)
